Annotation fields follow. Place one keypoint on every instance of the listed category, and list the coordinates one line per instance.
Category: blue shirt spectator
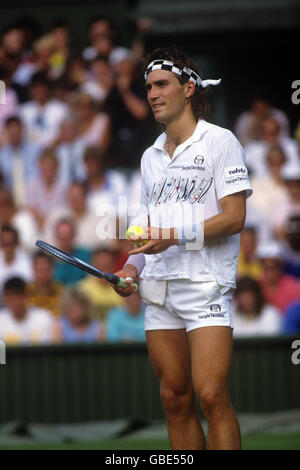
(68, 274)
(76, 325)
(18, 159)
(126, 323)
(70, 334)
(291, 320)
(64, 240)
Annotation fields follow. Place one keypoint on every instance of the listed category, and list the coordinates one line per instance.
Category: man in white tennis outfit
(194, 186)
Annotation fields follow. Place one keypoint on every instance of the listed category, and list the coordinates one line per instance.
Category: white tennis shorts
(184, 304)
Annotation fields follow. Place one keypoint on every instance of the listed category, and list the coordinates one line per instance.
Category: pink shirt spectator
(286, 291)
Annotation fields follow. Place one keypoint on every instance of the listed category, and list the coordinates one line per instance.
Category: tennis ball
(136, 231)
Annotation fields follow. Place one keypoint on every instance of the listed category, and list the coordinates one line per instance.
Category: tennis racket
(78, 263)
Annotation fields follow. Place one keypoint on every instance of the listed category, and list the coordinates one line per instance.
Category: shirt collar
(200, 129)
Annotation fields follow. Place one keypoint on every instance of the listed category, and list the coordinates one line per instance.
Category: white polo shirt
(186, 190)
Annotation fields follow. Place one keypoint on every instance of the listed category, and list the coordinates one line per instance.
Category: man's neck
(178, 131)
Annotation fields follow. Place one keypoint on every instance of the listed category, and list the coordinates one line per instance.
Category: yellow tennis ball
(136, 231)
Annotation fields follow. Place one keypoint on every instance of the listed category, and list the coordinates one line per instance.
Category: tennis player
(194, 187)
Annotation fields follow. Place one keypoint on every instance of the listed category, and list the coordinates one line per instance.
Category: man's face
(272, 269)
(166, 96)
(40, 92)
(64, 234)
(77, 198)
(99, 29)
(8, 243)
(14, 133)
(16, 303)
(48, 169)
(43, 270)
(270, 131)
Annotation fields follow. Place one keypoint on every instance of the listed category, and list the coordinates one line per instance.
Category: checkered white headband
(183, 72)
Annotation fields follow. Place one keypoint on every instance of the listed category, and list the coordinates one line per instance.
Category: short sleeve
(230, 171)
(144, 196)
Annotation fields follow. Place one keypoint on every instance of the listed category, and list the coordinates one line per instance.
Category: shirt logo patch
(215, 308)
(235, 174)
(198, 160)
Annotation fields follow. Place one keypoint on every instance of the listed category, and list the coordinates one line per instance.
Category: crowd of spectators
(267, 298)
(72, 133)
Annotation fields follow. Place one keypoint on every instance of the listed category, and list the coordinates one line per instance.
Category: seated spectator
(76, 72)
(291, 247)
(270, 137)
(64, 240)
(42, 115)
(101, 81)
(291, 320)
(290, 206)
(102, 295)
(103, 34)
(44, 292)
(76, 325)
(84, 220)
(11, 50)
(11, 103)
(43, 49)
(248, 264)
(61, 38)
(103, 186)
(129, 110)
(93, 126)
(47, 193)
(18, 160)
(20, 324)
(270, 190)
(13, 260)
(69, 151)
(279, 289)
(252, 316)
(126, 323)
(21, 219)
(247, 127)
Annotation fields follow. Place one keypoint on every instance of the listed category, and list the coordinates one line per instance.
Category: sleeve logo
(235, 174)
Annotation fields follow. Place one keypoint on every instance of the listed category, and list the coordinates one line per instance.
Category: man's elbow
(238, 224)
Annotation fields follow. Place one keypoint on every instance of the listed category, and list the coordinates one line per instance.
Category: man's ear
(189, 89)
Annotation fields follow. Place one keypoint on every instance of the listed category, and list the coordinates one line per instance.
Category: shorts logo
(204, 316)
(198, 160)
(215, 308)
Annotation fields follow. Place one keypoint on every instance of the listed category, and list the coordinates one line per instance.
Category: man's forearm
(222, 225)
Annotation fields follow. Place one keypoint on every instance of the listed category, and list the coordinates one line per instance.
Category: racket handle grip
(122, 283)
